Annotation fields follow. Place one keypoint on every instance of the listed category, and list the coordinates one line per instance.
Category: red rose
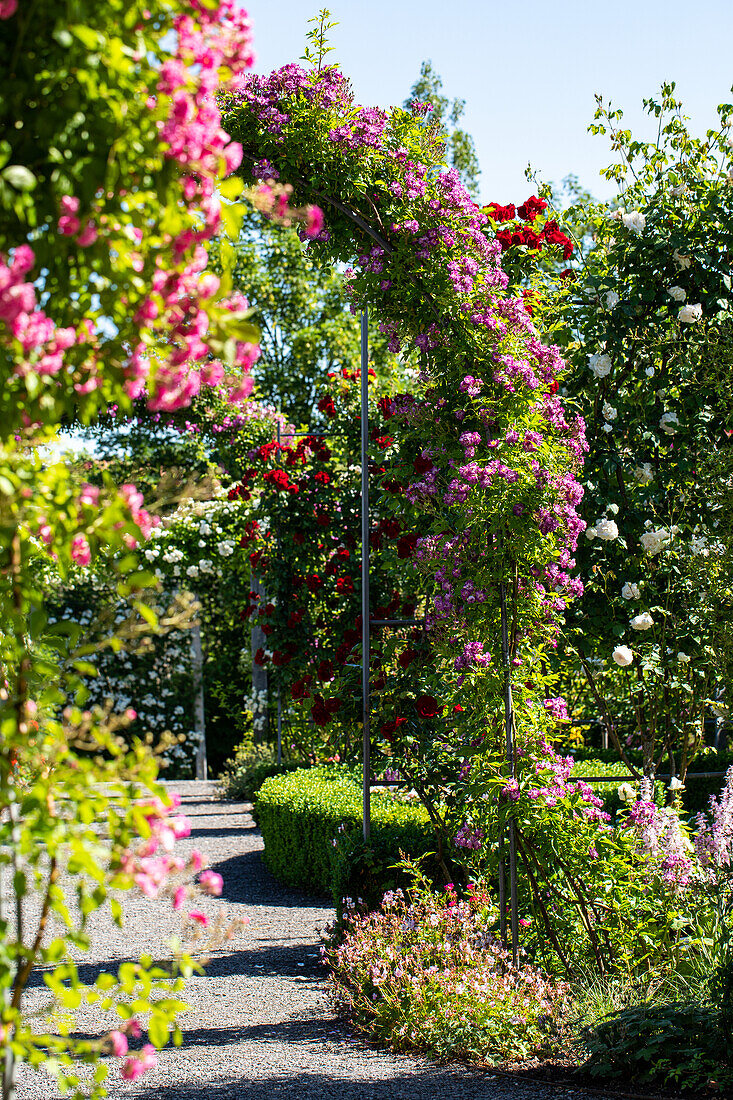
(295, 618)
(260, 658)
(427, 707)
(278, 479)
(529, 210)
(500, 213)
(504, 237)
(280, 658)
(345, 585)
(267, 628)
(298, 538)
(326, 405)
(422, 465)
(391, 528)
(406, 658)
(325, 671)
(406, 546)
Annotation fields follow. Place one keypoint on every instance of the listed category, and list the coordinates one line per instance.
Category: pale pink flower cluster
(660, 838)
(714, 837)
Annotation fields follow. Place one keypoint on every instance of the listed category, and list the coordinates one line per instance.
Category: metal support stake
(279, 727)
(366, 749)
(199, 721)
(509, 730)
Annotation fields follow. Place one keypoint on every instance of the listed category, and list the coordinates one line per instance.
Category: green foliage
(678, 1044)
(244, 774)
(311, 823)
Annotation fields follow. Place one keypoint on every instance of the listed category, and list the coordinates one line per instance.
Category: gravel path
(260, 1027)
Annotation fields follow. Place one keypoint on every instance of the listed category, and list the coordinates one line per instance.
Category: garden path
(260, 1027)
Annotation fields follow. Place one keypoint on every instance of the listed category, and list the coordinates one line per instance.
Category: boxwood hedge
(311, 822)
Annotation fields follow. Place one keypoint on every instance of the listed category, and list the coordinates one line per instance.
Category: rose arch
(484, 454)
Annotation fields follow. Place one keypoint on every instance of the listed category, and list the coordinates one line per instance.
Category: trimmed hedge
(695, 797)
(302, 814)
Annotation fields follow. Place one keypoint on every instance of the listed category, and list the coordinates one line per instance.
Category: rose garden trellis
(302, 125)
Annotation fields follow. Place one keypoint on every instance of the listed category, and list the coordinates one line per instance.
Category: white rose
(617, 215)
(627, 793)
(675, 784)
(631, 591)
(607, 427)
(612, 509)
(644, 473)
(655, 541)
(683, 262)
(590, 533)
(683, 659)
(609, 412)
(607, 530)
(678, 293)
(634, 220)
(668, 421)
(642, 622)
(649, 372)
(600, 364)
(690, 314)
(612, 299)
(622, 655)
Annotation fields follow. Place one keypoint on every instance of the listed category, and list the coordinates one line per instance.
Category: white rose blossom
(623, 656)
(607, 530)
(649, 372)
(683, 659)
(627, 793)
(644, 621)
(655, 541)
(678, 293)
(630, 591)
(644, 473)
(612, 299)
(634, 220)
(690, 314)
(683, 262)
(590, 533)
(668, 421)
(600, 364)
(609, 412)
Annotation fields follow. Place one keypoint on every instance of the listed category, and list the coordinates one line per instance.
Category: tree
(443, 117)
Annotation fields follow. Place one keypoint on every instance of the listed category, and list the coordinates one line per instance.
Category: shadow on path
(248, 882)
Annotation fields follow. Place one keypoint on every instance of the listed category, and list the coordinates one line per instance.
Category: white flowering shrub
(645, 320)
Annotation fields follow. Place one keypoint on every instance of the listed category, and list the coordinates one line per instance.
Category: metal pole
(199, 721)
(279, 727)
(366, 749)
(509, 730)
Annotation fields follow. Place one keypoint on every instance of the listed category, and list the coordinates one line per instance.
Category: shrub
(311, 823)
(429, 975)
(251, 765)
(677, 1044)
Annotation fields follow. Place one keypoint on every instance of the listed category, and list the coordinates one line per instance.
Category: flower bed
(430, 975)
(311, 823)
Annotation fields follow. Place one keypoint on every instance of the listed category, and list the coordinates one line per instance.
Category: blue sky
(527, 71)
